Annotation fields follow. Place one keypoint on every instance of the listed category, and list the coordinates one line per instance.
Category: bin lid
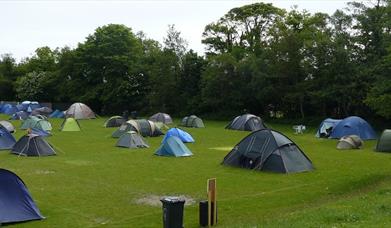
(172, 199)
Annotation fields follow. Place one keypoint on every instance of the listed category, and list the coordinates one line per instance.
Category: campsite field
(93, 183)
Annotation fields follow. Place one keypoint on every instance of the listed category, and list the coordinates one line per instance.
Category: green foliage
(245, 27)
(6, 89)
(32, 86)
(380, 94)
(104, 70)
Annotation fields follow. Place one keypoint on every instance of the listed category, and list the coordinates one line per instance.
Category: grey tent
(114, 121)
(142, 126)
(192, 121)
(80, 111)
(246, 122)
(125, 127)
(33, 145)
(131, 139)
(268, 150)
(350, 142)
(384, 142)
(42, 111)
(161, 117)
(7, 125)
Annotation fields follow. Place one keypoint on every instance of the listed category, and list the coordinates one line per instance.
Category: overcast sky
(27, 25)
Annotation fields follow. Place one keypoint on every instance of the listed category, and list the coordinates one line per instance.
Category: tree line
(259, 59)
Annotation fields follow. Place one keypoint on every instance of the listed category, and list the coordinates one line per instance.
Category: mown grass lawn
(93, 183)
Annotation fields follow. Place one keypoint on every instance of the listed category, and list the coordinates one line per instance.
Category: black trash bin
(204, 213)
(172, 212)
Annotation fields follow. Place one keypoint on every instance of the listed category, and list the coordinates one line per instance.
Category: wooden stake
(212, 211)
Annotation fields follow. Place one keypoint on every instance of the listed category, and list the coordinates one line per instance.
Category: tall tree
(243, 27)
(106, 71)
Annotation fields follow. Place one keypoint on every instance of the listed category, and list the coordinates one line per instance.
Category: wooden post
(212, 206)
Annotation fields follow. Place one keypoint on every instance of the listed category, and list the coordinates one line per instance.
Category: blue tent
(7, 141)
(57, 114)
(40, 132)
(21, 115)
(182, 135)
(326, 127)
(29, 106)
(9, 109)
(353, 125)
(21, 107)
(16, 204)
(4, 106)
(173, 146)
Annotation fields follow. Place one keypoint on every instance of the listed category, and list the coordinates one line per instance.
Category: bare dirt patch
(154, 200)
(44, 172)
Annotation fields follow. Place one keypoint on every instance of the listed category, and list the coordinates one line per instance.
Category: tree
(105, 69)
(8, 74)
(189, 84)
(379, 96)
(174, 42)
(32, 86)
(247, 27)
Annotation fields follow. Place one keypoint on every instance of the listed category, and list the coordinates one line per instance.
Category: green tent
(70, 124)
(192, 121)
(384, 142)
(36, 122)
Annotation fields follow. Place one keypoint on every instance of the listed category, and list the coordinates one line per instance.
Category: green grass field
(93, 183)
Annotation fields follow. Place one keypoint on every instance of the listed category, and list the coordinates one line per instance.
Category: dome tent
(131, 139)
(142, 126)
(32, 145)
(326, 127)
(37, 122)
(80, 111)
(350, 142)
(161, 117)
(114, 121)
(173, 146)
(384, 142)
(45, 111)
(21, 115)
(16, 203)
(70, 124)
(9, 109)
(57, 114)
(42, 133)
(268, 150)
(125, 127)
(192, 121)
(353, 125)
(246, 122)
(7, 141)
(7, 125)
(182, 135)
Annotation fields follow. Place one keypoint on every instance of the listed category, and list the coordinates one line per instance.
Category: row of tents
(163, 118)
(24, 110)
